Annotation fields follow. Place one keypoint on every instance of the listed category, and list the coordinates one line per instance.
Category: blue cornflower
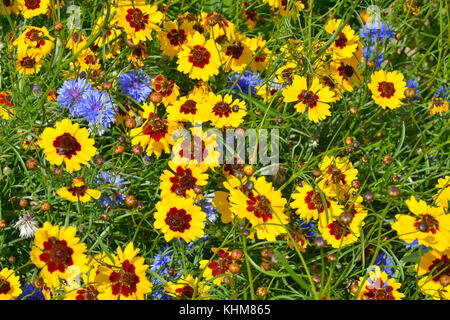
(210, 210)
(97, 107)
(248, 81)
(111, 196)
(72, 92)
(135, 85)
(443, 93)
(414, 85)
(386, 263)
(29, 292)
(370, 54)
(161, 263)
(375, 31)
(307, 228)
(414, 244)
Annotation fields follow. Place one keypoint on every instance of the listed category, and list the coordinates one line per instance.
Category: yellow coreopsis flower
(224, 111)
(35, 42)
(187, 288)
(433, 272)
(388, 88)
(9, 285)
(78, 191)
(379, 287)
(33, 8)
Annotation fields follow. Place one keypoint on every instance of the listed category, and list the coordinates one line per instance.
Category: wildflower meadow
(224, 150)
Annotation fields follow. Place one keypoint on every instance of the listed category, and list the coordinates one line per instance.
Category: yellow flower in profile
(314, 98)
(199, 58)
(224, 111)
(438, 105)
(346, 42)
(57, 252)
(168, 89)
(9, 285)
(35, 41)
(27, 64)
(78, 191)
(221, 200)
(442, 195)
(6, 106)
(187, 288)
(433, 271)
(179, 218)
(138, 19)
(429, 225)
(379, 287)
(33, 8)
(124, 277)
(263, 206)
(388, 88)
(155, 135)
(67, 143)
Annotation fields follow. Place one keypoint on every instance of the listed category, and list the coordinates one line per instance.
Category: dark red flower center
(338, 230)
(185, 292)
(387, 89)
(309, 98)
(176, 37)
(374, 293)
(222, 109)
(198, 149)
(88, 293)
(261, 57)
(125, 281)
(314, 201)
(189, 106)
(163, 86)
(440, 267)
(259, 205)
(235, 50)
(35, 36)
(66, 145)
(341, 41)
(199, 56)
(346, 71)
(432, 225)
(32, 4)
(57, 255)
(155, 127)
(27, 62)
(137, 19)
(220, 265)
(178, 220)
(5, 286)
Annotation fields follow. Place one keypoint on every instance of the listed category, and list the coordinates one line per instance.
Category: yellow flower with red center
(263, 206)
(429, 226)
(33, 8)
(216, 25)
(310, 203)
(9, 285)
(67, 143)
(187, 288)
(197, 149)
(297, 238)
(199, 58)
(438, 105)
(388, 88)
(167, 88)
(155, 135)
(433, 272)
(10, 6)
(137, 54)
(217, 269)
(87, 290)
(442, 196)
(338, 233)
(35, 42)
(315, 98)
(138, 19)
(55, 250)
(6, 105)
(221, 199)
(88, 60)
(236, 53)
(224, 111)
(379, 287)
(337, 176)
(28, 64)
(123, 277)
(345, 45)
(173, 36)
(78, 191)
(186, 108)
(181, 180)
(179, 218)
(77, 41)
(262, 53)
(346, 74)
